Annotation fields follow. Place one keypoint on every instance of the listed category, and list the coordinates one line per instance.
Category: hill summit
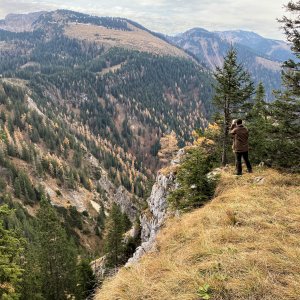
(242, 245)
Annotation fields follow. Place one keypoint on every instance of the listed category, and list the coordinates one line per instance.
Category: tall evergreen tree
(233, 88)
(17, 187)
(31, 285)
(86, 281)
(57, 255)
(286, 108)
(114, 238)
(259, 124)
(10, 260)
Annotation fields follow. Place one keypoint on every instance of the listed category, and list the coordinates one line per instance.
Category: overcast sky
(171, 16)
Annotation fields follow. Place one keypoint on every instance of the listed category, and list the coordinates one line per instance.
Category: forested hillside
(80, 124)
(127, 97)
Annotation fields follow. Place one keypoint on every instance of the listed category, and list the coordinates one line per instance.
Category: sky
(172, 16)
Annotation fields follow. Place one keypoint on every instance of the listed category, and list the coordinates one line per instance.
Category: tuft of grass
(242, 245)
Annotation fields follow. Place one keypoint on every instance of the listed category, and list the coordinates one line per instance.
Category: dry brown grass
(245, 244)
(136, 39)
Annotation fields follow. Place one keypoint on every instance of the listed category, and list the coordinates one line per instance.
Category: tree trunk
(225, 133)
(225, 139)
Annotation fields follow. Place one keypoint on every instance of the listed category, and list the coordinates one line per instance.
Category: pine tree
(11, 250)
(234, 87)
(194, 186)
(286, 108)
(100, 221)
(114, 237)
(31, 286)
(17, 187)
(258, 123)
(86, 281)
(57, 255)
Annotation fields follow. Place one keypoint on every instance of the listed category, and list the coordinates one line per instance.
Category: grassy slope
(245, 244)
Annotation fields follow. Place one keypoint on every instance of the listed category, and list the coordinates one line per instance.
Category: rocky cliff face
(153, 219)
(20, 22)
(119, 196)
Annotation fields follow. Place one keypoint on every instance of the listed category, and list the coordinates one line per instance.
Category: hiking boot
(250, 171)
(238, 174)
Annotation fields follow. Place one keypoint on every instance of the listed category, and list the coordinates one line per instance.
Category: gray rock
(214, 174)
(259, 180)
(123, 199)
(98, 267)
(153, 219)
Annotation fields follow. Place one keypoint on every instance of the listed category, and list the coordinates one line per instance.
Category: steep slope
(41, 154)
(262, 57)
(242, 245)
(81, 119)
(129, 97)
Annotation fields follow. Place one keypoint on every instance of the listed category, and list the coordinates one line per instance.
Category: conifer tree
(17, 187)
(114, 237)
(233, 88)
(57, 255)
(86, 281)
(31, 285)
(10, 256)
(286, 108)
(259, 124)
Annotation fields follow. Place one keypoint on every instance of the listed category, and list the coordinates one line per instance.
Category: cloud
(172, 16)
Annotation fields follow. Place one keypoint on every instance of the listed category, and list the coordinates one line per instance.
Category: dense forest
(127, 97)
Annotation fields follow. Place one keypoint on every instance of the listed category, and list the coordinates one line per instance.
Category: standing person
(240, 145)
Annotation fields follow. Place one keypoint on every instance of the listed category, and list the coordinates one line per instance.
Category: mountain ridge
(260, 58)
(109, 31)
(275, 49)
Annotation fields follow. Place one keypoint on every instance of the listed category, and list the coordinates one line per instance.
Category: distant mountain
(20, 22)
(262, 57)
(275, 49)
(107, 31)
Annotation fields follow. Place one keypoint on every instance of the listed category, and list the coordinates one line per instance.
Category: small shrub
(194, 186)
(58, 193)
(204, 292)
(85, 213)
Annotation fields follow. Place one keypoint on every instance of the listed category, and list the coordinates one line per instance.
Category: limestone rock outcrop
(154, 217)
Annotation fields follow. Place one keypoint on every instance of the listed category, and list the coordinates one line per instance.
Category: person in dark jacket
(240, 145)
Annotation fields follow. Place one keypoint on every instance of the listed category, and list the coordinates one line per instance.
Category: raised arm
(232, 127)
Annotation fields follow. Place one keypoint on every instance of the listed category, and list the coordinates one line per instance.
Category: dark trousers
(238, 162)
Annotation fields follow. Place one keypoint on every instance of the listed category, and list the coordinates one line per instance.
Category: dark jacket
(240, 138)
